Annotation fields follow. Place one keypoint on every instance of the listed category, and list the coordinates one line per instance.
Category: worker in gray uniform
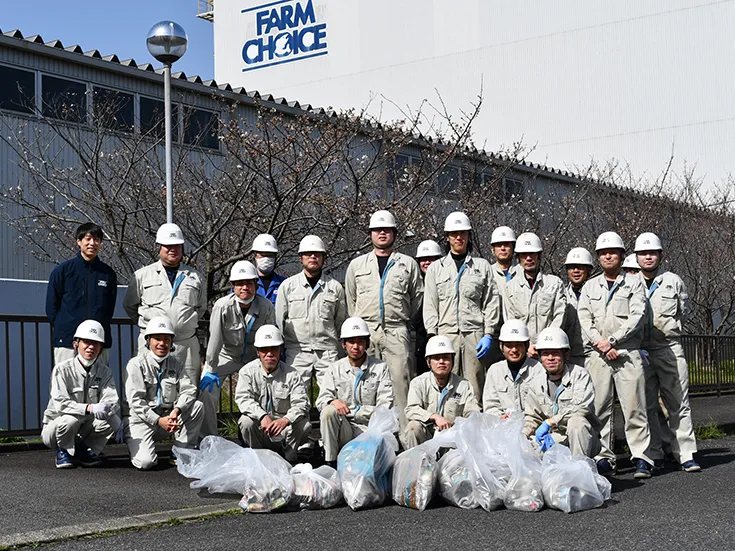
(350, 390)
(384, 288)
(172, 289)
(502, 243)
(82, 411)
(272, 399)
(462, 303)
(162, 398)
(667, 371)
(579, 265)
(533, 297)
(612, 308)
(233, 323)
(310, 310)
(427, 253)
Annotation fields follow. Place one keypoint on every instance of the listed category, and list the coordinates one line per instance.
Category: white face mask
(266, 264)
(245, 301)
(156, 358)
(85, 362)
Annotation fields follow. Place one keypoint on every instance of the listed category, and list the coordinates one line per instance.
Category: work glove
(483, 347)
(120, 434)
(100, 411)
(542, 431)
(644, 357)
(547, 442)
(208, 381)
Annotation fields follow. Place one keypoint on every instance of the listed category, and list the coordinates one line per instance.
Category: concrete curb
(49, 535)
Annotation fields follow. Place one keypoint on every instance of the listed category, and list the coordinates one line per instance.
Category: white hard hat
(514, 331)
(580, 255)
(457, 221)
(242, 269)
(265, 243)
(439, 344)
(160, 325)
(312, 244)
(528, 243)
(169, 234)
(648, 242)
(267, 336)
(631, 262)
(609, 240)
(354, 327)
(90, 330)
(502, 234)
(382, 219)
(552, 338)
(428, 248)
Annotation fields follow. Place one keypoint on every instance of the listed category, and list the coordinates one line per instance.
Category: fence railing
(27, 360)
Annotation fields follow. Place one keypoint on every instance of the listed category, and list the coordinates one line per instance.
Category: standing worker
(265, 248)
(235, 319)
(667, 372)
(79, 289)
(630, 264)
(462, 302)
(502, 243)
(384, 288)
(82, 411)
(310, 310)
(427, 253)
(612, 307)
(535, 298)
(172, 289)
(579, 265)
(350, 390)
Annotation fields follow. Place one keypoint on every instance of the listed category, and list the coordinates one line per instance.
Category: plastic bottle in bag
(455, 486)
(315, 488)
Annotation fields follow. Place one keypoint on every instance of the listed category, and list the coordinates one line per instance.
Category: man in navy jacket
(79, 289)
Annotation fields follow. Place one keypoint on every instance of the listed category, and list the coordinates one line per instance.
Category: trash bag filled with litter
(315, 488)
(572, 484)
(455, 485)
(365, 463)
(524, 491)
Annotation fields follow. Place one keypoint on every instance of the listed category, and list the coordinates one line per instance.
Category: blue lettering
(304, 16)
(261, 19)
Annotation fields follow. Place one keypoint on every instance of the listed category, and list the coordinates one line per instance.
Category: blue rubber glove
(542, 431)
(120, 434)
(208, 381)
(547, 442)
(483, 347)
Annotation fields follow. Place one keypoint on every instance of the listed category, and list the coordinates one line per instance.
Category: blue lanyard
(442, 398)
(159, 375)
(559, 390)
(358, 378)
(456, 287)
(610, 293)
(382, 283)
(177, 283)
(649, 316)
(653, 288)
(268, 401)
(247, 334)
(508, 275)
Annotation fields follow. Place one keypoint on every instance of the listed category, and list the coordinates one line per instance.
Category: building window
(17, 90)
(512, 189)
(152, 113)
(200, 128)
(448, 180)
(113, 109)
(64, 99)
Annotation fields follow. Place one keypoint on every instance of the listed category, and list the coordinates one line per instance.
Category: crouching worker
(437, 398)
(162, 398)
(351, 389)
(82, 410)
(272, 399)
(560, 407)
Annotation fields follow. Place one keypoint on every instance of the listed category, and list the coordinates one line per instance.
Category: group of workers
(438, 336)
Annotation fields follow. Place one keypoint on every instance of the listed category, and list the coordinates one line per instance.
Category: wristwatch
(612, 340)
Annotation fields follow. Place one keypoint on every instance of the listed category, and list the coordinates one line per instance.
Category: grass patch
(710, 431)
(11, 439)
(228, 427)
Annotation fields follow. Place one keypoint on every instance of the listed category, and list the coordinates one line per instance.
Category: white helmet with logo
(354, 327)
(609, 240)
(169, 234)
(439, 344)
(631, 262)
(312, 244)
(552, 338)
(265, 243)
(457, 221)
(382, 219)
(514, 331)
(428, 248)
(528, 243)
(90, 330)
(160, 325)
(648, 242)
(267, 336)
(242, 269)
(502, 234)
(580, 256)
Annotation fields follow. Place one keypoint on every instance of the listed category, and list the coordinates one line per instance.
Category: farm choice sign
(286, 31)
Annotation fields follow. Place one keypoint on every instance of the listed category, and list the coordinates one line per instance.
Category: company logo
(287, 30)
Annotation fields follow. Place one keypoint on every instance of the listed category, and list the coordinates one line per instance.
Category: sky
(115, 27)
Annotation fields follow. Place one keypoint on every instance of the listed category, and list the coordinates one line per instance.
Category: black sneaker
(691, 466)
(86, 457)
(63, 459)
(605, 467)
(643, 469)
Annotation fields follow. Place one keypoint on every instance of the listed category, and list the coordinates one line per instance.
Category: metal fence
(27, 356)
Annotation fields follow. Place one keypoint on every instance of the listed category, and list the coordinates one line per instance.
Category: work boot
(86, 457)
(642, 469)
(63, 459)
(691, 466)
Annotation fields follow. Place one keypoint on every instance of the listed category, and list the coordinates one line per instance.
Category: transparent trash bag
(572, 484)
(455, 485)
(315, 488)
(262, 477)
(524, 490)
(365, 463)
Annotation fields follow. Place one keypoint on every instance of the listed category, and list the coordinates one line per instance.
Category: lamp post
(167, 42)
